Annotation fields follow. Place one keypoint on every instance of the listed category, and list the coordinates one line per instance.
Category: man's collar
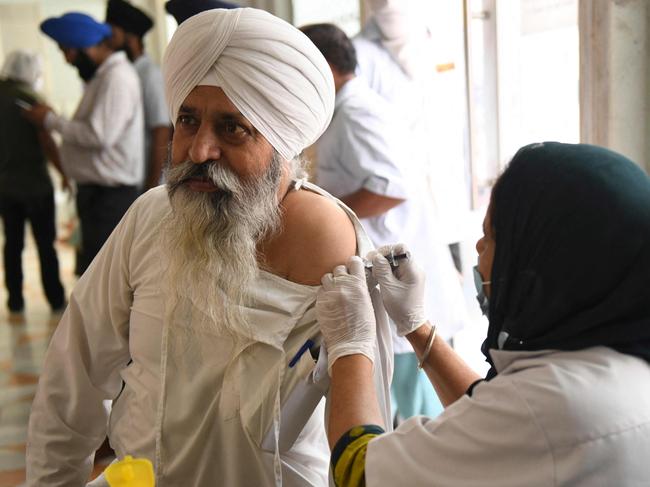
(347, 90)
(115, 58)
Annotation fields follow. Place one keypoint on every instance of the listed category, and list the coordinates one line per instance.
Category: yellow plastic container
(130, 472)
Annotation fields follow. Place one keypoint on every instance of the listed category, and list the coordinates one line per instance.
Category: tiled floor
(23, 342)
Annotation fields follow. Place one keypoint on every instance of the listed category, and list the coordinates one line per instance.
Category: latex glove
(402, 290)
(345, 314)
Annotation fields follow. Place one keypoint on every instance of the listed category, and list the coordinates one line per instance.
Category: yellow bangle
(427, 348)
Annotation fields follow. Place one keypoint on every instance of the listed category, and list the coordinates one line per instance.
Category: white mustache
(217, 173)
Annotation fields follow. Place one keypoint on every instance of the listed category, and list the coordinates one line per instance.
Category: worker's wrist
(418, 337)
(357, 361)
(420, 332)
(411, 322)
(427, 348)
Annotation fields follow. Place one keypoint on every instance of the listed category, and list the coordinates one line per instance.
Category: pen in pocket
(305, 346)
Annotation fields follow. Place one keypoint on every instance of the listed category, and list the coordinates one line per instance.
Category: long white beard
(209, 242)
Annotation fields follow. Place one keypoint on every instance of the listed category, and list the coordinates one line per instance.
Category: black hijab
(572, 252)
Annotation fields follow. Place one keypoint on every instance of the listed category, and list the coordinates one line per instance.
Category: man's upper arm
(320, 236)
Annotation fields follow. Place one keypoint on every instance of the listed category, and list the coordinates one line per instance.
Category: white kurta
(195, 403)
(364, 147)
(549, 418)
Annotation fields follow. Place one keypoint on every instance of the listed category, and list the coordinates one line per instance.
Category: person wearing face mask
(563, 264)
(102, 145)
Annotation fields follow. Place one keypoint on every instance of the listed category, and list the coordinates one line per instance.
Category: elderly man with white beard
(197, 317)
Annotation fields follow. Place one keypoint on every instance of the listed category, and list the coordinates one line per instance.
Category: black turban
(128, 17)
(184, 9)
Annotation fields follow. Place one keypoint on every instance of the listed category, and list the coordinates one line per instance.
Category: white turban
(269, 70)
(23, 66)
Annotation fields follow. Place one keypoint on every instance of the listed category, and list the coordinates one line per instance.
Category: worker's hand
(402, 290)
(36, 114)
(345, 314)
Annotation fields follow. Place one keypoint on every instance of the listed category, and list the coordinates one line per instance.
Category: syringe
(393, 260)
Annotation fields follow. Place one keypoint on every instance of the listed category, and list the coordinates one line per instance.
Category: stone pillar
(615, 76)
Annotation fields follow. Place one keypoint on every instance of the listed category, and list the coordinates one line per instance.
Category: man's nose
(479, 245)
(205, 145)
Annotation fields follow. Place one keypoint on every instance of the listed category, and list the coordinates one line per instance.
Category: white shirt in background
(366, 146)
(153, 98)
(426, 109)
(103, 142)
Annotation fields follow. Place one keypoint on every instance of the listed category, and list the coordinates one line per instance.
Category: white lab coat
(205, 410)
(364, 147)
(549, 418)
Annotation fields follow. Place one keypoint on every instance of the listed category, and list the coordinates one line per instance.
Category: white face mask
(481, 297)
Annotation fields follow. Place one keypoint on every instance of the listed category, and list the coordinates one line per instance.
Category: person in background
(129, 25)
(197, 318)
(563, 277)
(363, 159)
(396, 52)
(102, 145)
(26, 191)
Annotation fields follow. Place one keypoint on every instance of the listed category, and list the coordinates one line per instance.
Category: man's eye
(185, 119)
(233, 128)
(235, 131)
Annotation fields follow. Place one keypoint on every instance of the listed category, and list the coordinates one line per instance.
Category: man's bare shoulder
(317, 235)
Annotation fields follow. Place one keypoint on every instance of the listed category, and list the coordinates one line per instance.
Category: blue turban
(75, 30)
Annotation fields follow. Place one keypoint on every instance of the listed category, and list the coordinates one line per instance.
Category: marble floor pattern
(23, 341)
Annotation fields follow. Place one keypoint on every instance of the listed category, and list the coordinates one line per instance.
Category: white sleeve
(153, 95)
(112, 112)
(371, 149)
(489, 439)
(68, 421)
